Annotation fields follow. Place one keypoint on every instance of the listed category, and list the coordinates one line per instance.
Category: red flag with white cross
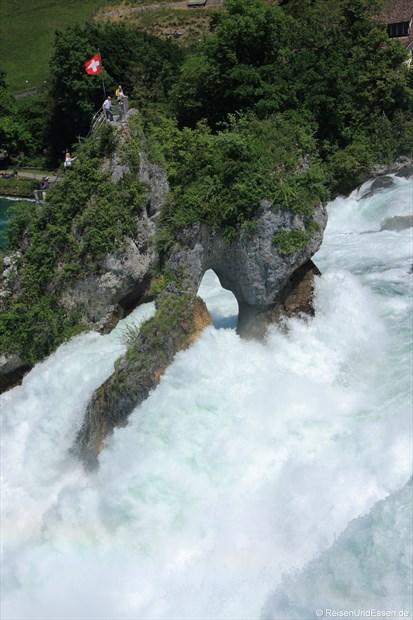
(93, 65)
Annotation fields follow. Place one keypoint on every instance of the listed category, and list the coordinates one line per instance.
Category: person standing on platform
(107, 108)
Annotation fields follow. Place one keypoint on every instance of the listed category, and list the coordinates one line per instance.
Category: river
(5, 205)
(258, 481)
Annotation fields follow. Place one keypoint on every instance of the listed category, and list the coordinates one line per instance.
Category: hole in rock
(222, 304)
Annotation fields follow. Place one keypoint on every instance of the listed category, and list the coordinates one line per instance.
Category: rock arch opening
(221, 303)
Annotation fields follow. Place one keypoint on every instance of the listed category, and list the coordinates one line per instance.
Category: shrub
(85, 217)
(220, 178)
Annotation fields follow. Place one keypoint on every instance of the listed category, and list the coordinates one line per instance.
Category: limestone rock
(295, 299)
(251, 266)
(398, 222)
(403, 166)
(406, 171)
(106, 297)
(12, 370)
(123, 279)
(266, 283)
(380, 183)
(137, 373)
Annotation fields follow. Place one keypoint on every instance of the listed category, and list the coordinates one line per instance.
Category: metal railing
(98, 119)
(118, 112)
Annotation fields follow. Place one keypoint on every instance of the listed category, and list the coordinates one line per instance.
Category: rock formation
(269, 282)
(397, 222)
(252, 267)
(179, 321)
(267, 285)
(122, 279)
(125, 275)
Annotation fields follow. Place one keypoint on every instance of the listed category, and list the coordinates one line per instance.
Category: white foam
(369, 568)
(244, 465)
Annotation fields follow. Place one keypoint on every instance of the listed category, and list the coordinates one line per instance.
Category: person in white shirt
(68, 160)
(107, 105)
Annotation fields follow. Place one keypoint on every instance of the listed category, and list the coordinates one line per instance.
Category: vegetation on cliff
(288, 103)
(220, 178)
(85, 217)
(179, 319)
(19, 187)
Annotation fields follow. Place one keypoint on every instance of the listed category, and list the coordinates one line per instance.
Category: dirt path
(121, 11)
(38, 176)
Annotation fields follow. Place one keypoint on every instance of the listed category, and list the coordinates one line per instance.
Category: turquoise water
(5, 206)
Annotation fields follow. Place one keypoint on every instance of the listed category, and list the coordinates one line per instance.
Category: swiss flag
(93, 65)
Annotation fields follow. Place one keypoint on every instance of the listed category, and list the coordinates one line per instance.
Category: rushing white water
(234, 486)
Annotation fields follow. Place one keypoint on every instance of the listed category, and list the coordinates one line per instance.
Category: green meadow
(27, 30)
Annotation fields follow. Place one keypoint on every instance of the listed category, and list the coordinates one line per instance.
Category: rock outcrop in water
(269, 281)
(397, 222)
(179, 320)
(267, 284)
(251, 266)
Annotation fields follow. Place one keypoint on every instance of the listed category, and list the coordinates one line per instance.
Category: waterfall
(249, 474)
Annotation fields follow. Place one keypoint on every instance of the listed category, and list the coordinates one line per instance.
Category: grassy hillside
(27, 30)
(163, 18)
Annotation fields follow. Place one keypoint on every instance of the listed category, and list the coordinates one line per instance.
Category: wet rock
(175, 326)
(12, 371)
(380, 183)
(398, 222)
(295, 299)
(398, 167)
(406, 172)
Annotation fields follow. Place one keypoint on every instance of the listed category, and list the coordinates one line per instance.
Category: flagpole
(103, 81)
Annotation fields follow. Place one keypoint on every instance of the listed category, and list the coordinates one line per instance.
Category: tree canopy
(13, 134)
(145, 66)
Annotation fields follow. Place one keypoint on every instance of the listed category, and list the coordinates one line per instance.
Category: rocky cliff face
(252, 267)
(179, 320)
(122, 279)
(267, 285)
(268, 281)
(125, 275)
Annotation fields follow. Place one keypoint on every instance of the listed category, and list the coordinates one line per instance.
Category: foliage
(159, 284)
(220, 178)
(85, 217)
(292, 241)
(32, 113)
(238, 65)
(144, 65)
(349, 166)
(329, 59)
(16, 186)
(13, 134)
(34, 327)
(172, 322)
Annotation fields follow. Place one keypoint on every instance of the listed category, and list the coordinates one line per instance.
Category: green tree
(327, 59)
(143, 64)
(344, 68)
(240, 64)
(13, 134)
